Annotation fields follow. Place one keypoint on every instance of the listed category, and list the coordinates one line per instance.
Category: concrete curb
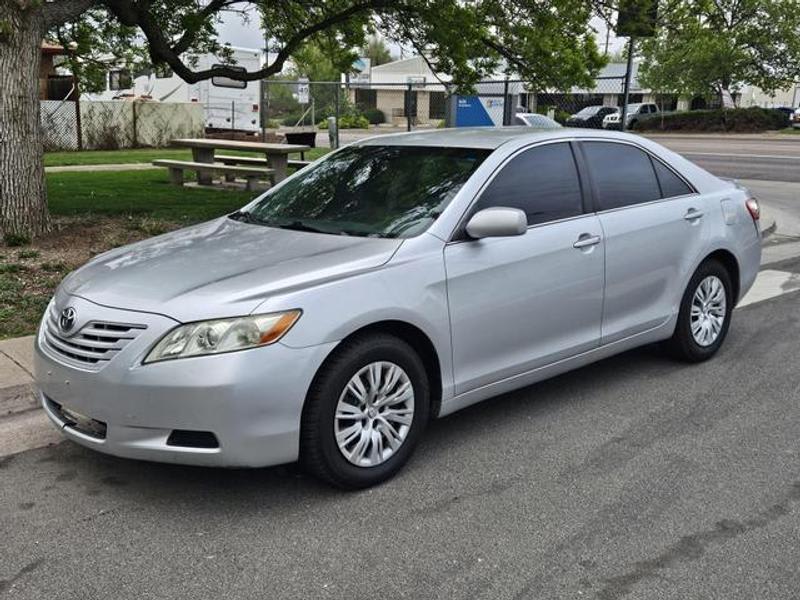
(769, 229)
(103, 167)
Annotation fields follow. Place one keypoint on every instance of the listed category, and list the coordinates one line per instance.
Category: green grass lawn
(138, 193)
(139, 155)
(93, 212)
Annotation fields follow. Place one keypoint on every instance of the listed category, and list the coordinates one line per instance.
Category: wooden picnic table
(203, 150)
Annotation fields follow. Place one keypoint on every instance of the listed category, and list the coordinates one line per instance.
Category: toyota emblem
(67, 320)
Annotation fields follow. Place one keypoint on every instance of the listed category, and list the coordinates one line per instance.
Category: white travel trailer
(228, 104)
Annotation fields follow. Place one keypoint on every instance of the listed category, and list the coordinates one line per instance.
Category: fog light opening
(192, 439)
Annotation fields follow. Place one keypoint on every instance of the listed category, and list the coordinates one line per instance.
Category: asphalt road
(634, 478)
(774, 159)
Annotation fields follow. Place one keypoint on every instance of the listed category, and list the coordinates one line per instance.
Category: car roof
(486, 137)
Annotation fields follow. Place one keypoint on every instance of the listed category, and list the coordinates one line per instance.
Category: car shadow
(99, 475)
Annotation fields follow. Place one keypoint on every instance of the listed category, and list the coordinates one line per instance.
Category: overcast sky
(249, 35)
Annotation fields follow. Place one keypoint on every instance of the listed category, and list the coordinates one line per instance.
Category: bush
(375, 116)
(16, 239)
(292, 119)
(348, 122)
(735, 120)
(559, 114)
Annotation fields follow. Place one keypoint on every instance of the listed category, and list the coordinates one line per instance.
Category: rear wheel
(705, 314)
(365, 412)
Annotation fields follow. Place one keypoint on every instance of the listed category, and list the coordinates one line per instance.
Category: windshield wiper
(244, 217)
(300, 226)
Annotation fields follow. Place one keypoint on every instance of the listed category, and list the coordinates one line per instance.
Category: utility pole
(628, 71)
(263, 91)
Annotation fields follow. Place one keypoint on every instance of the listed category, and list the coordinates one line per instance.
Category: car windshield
(588, 111)
(375, 191)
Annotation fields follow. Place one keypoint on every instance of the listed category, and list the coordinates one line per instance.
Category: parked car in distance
(398, 279)
(590, 117)
(535, 120)
(635, 113)
(795, 119)
(787, 110)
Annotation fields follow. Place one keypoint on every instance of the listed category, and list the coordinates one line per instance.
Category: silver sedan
(397, 280)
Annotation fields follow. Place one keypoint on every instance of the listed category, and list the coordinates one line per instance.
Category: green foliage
(348, 122)
(374, 116)
(551, 43)
(376, 51)
(738, 120)
(13, 239)
(560, 115)
(705, 46)
(98, 43)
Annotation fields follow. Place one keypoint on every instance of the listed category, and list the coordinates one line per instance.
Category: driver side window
(542, 182)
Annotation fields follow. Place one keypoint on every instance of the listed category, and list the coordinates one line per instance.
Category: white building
(386, 88)
(754, 96)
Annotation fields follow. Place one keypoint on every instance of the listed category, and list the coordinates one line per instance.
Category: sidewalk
(104, 167)
(22, 424)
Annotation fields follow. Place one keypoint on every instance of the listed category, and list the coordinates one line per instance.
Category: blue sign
(474, 111)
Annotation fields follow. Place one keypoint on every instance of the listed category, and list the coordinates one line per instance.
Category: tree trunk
(726, 97)
(23, 196)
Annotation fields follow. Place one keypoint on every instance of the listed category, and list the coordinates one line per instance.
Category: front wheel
(705, 314)
(365, 412)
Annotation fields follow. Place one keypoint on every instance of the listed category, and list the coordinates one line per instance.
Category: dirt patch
(30, 274)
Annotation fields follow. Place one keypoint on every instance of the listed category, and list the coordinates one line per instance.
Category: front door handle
(693, 214)
(585, 240)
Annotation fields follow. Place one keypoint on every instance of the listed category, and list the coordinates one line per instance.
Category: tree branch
(57, 13)
(131, 13)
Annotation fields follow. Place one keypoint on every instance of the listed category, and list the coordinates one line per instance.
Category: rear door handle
(693, 214)
(585, 240)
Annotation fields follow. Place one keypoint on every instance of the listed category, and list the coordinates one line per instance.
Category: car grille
(93, 345)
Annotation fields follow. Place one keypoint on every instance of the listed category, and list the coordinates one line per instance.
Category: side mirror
(497, 221)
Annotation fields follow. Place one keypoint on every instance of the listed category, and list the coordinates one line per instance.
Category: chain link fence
(300, 111)
(362, 108)
(85, 125)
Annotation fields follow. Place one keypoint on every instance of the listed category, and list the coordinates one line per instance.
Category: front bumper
(251, 401)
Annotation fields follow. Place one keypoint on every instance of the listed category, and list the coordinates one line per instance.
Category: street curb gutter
(769, 230)
(17, 399)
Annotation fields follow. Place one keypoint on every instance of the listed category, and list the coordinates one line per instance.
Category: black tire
(682, 345)
(319, 451)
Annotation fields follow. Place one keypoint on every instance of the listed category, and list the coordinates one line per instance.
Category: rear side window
(542, 182)
(622, 174)
(671, 184)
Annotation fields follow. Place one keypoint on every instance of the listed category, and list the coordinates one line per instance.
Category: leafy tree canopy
(376, 51)
(715, 46)
(547, 42)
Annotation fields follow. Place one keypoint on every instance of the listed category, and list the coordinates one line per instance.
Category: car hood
(221, 268)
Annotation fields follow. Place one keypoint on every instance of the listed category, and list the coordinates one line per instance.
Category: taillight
(753, 208)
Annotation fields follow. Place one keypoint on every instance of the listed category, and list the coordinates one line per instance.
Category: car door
(517, 303)
(654, 230)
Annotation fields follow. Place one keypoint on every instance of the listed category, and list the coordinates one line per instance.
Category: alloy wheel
(374, 414)
(709, 307)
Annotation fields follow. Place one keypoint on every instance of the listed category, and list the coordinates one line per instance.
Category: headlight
(223, 335)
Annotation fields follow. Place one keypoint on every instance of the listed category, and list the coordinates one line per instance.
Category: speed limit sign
(302, 90)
